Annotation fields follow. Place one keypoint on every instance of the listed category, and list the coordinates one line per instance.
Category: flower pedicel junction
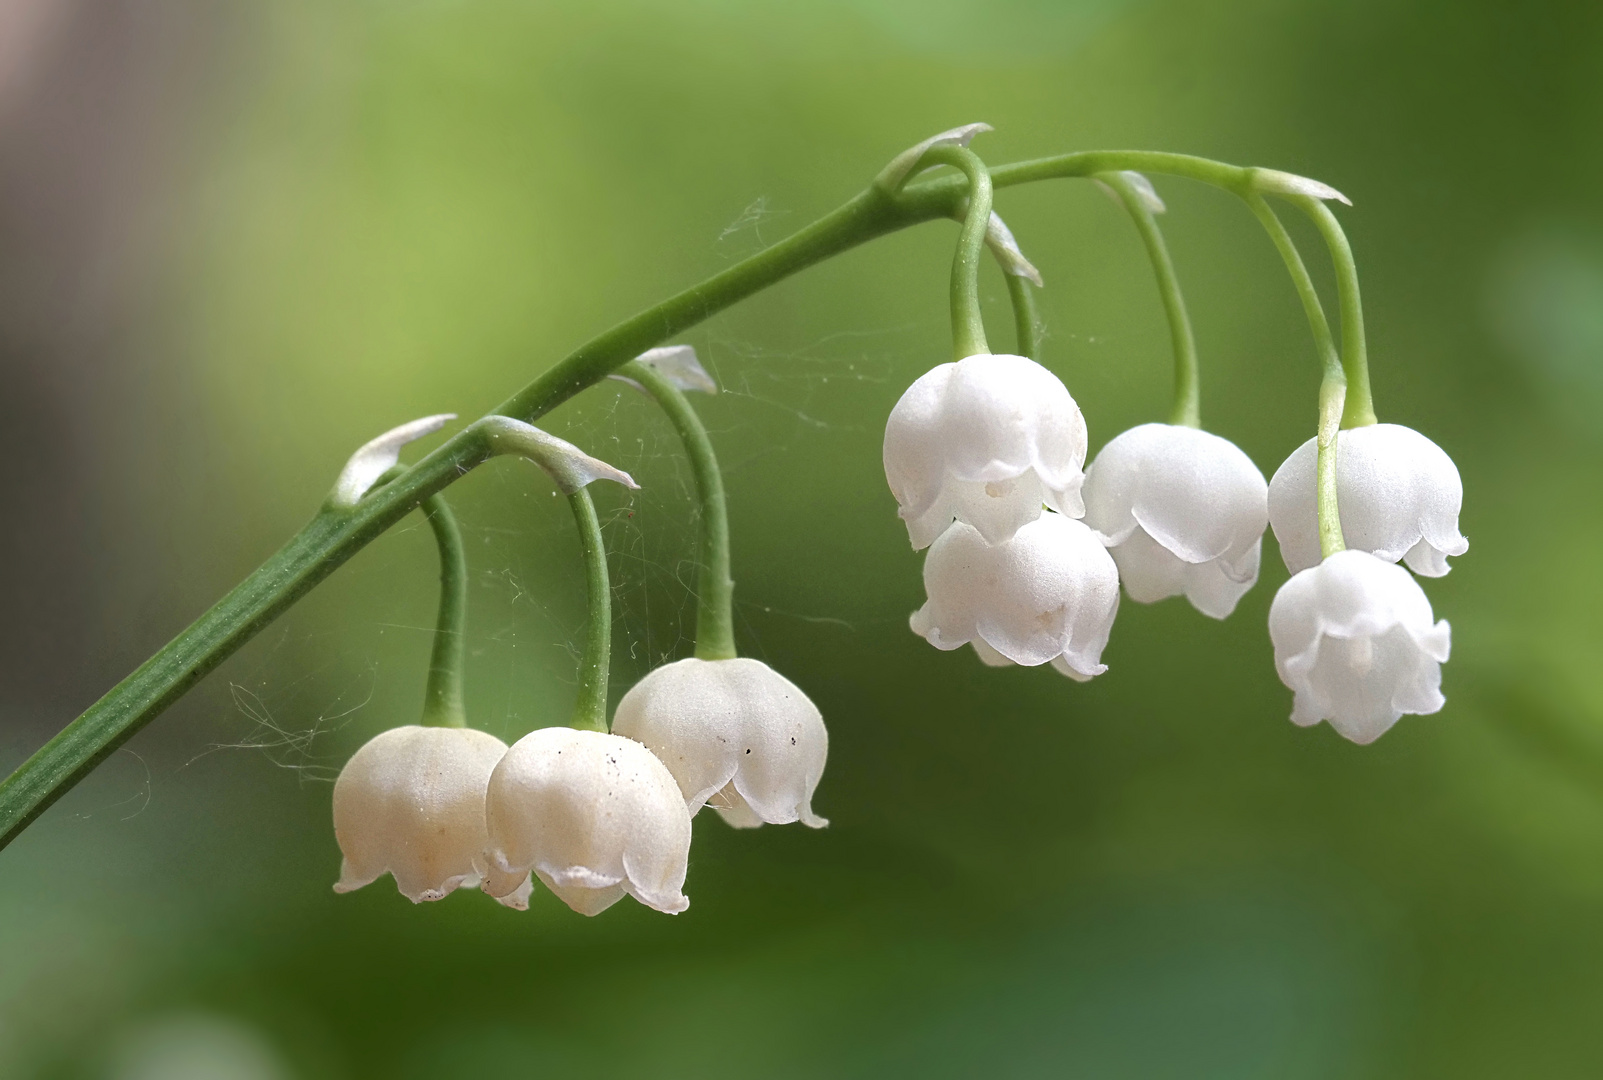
(1027, 547)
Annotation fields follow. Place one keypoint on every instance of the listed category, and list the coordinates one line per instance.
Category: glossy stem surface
(590, 708)
(968, 325)
(442, 697)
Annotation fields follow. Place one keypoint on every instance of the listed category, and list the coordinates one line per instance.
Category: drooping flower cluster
(984, 459)
(1354, 634)
(595, 816)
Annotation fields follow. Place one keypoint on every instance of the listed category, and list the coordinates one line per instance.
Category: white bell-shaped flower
(1399, 495)
(985, 441)
(1182, 512)
(1354, 638)
(1047, 595)
(594, 816)
(411, 803)
(735, 734)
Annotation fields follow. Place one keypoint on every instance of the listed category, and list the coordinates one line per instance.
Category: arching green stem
(590, 708)
(1360, 408)
(442, 697)
(968, 326)
(336, 533)
(715, 620)
(1026, 321)
(1187, 388)
(1324, 344)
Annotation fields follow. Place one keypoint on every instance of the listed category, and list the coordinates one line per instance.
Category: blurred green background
(237, 241)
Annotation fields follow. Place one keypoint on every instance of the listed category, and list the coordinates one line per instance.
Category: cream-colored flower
(411, 803)
(735, 734)
(594, 816)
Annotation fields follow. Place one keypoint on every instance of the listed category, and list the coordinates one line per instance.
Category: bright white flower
(1354, 638)
(735, 734)
(1048, 594)
(986, 441)
(1399, 495)
(595, 816)
(411, 802)
(1181, 511)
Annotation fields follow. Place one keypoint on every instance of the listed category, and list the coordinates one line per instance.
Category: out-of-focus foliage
(234, 246)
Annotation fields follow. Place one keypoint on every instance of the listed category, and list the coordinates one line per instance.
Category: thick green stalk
(336, 533)
(715, 618)
(1026, 321)
(442, 697)
(1187, 410)
(968, 325)
(1360, 408)
(590, 708)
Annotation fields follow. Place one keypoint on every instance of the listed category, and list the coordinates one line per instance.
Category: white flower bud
(1182, 511)
(1048, 594)
(1354, 638)
(985, 441)
(411, 802)
(1399, 495)
(734, 733)
(595, 816)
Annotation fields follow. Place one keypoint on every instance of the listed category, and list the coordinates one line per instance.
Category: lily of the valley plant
(1026, 545)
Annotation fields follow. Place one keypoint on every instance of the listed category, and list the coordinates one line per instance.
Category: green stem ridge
(590, 707)
(715, 620)
(442, 697)
(1026, 320)
(1187, 387)
(1360, 407)
(968, 325)
(336, 533)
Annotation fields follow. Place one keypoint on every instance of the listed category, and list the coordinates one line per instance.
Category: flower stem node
(1354, 638)
(378, 456)
(1275, 182)
(594, 816)
(1005, 249)
(735, 734)
(905, 164)
(1048, 594)
(984, 441)
(677, 364)
(1144, 191)
(1182, 512)
(1399, 496)
(410, 802)
(569, 467)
